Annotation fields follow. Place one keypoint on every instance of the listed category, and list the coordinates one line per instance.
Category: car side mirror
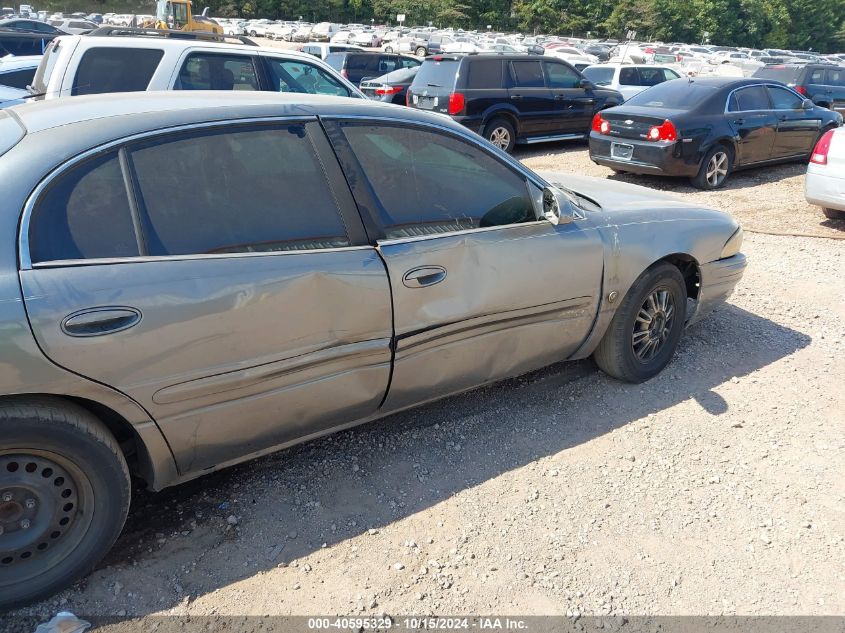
(586, 84)
(552, 208)
(807, 104)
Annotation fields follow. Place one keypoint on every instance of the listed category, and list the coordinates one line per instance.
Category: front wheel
(501, 133)
(644, 333)
(421, 51)
(715, 168)
(64, 495)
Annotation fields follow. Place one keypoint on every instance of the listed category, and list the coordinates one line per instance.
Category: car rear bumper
(718, 280)
(824, 190)
(648, 157)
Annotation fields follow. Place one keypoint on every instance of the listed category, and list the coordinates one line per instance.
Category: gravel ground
(715, 488)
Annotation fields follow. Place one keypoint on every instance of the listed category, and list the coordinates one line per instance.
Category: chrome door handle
(516, 97)
(423, 276)
(99, 321)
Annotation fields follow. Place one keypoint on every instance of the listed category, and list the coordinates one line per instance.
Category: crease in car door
(279, 329)
(482, 289)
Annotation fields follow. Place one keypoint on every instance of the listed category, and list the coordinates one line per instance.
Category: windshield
(675, 95)
(601, 76)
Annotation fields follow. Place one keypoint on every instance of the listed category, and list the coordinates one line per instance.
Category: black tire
(421, 51)
(833, 214)
(500, 132)
(724, 157)
(617, 355)
(388, 49)
(253, 34)
(64, 495)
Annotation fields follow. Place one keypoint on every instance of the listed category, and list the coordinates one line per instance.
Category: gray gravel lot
(716, 488)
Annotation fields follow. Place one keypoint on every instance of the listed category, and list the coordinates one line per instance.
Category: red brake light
(663, 132)
(408, 97)
(819, 155)
(456, 102)
(801, 90)
(388, 90)
(600, 125)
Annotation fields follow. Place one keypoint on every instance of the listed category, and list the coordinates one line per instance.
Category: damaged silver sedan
(188, 282)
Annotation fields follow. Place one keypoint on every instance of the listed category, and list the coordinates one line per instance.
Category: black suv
(823, 83)
(358, 65)
(511, 98)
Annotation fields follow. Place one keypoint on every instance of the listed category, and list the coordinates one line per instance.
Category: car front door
(798, 129)
(482, 287)
(534, 102)
(573, 103)
(230, 292)
(751, 117)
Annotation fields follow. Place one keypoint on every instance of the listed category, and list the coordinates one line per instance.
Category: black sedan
(390, 88)
(706, 128)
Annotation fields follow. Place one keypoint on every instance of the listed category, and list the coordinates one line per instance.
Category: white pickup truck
(122, 60)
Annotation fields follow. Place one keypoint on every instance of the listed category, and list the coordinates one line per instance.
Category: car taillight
(819, 155)
(408, 97)
(388, 90)
(600, 125)
(456, 102)
(664, 132)
(801, 90)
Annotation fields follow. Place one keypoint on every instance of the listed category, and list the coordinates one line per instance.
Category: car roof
(142, 111)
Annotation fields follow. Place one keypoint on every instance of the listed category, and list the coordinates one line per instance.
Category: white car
(746, 62)
(364, 38)
(825, 182)
(572, 55)
(629, 79)
(74, 26)
(322, 49)
(341, 37)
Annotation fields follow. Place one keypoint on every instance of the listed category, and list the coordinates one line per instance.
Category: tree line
(795, 24)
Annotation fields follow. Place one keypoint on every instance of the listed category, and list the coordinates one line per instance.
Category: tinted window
(296, 76)
(561, 76)
(784, 74)
(252, 190)
(651, 76)
(429, 183)
(17, 78)
(675, 95)
(601, 76)
(485, 73)
(835, 77)
(335, 60)
(115, 70)
(670, 74)
(629, 77)
(408, 62)
(816, 76)
(528, 74)
(204, 71)
(783, 99)
(752, 98)
(80, 25)
(437, 74)
(84, 214)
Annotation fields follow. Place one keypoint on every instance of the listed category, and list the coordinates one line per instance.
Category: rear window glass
(752, 98)
(528, 74)
(598, 75)
(784, 74)
(17, 78)
(437, 74)
(676, 95)
(485, 73)
(335, 60)
(115, 70)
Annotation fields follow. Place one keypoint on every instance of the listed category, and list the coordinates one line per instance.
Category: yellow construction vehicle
(176, 15)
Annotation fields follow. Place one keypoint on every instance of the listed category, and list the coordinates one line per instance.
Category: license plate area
(621, 151)
(426, 103)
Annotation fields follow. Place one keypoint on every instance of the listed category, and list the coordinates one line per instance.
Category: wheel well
(727, 143)
(503, 114)
(689, 269)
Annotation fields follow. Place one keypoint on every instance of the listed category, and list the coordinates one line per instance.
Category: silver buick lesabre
(190, 280)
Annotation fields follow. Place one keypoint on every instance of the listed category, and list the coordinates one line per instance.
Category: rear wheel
(500, 132)
(644, 332)
(715, 168)
(64, 495)
(421, 51)
(833, 214)
(388, 49)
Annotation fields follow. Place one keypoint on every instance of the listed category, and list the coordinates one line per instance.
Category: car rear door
(835, 80)
(482, 287)
(573, 104)
(750, 115)
(531, 97)
(798, 129)
(220, 277)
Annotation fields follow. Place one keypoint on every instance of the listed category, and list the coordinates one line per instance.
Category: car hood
(612, 195)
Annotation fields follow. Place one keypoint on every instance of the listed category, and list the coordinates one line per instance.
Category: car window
(408, 62)
(835, 77)
(816, 76)
(629, 77)
(670, 74)
(84, 214)
(783, 99)
(107, 69)
(599, 75)
(561, 76)
(312, 50)
(652, 76)
(436, 73)
(528, 75)
(17, 78)
(752, 98)
(288, 75)
(212, 71)
(43, 27)
(80, 25)
(387, 63)
(364, 63)
(224, 191)
(429, 183)
(485, 74)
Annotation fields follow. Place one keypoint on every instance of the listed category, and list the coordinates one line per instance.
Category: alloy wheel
(653, 324)
(717, 169)
(500, 137)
